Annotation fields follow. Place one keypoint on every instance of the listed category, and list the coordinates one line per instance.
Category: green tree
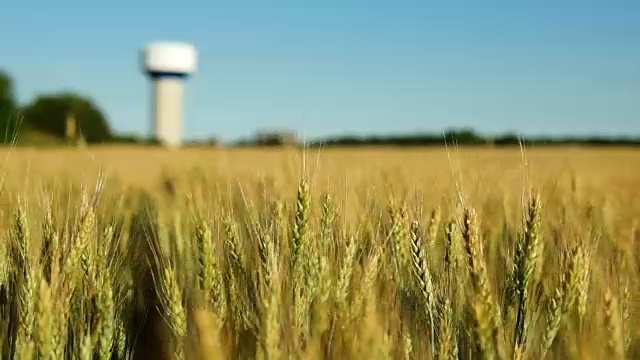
(49, 113)
(464, 136)
(8, 108)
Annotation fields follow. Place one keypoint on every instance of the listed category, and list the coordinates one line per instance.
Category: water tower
(168, 64)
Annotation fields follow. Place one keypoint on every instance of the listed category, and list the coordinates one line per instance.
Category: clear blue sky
(343, 67)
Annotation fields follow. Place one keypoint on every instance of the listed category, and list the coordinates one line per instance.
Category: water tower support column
(167, 110)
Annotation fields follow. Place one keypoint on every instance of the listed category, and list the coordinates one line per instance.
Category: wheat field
(460, 253)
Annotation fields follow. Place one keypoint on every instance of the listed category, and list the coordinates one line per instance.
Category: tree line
(51, 117)
(469, 137)
(70, 117)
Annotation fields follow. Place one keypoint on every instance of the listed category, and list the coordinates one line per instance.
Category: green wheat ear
(174, 309)
(44, 325)
(300, 224)
(526, 260)
(423, 277)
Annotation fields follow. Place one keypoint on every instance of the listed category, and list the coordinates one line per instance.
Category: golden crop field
(372, 253)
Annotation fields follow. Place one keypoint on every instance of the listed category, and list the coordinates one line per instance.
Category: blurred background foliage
(67, 117)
